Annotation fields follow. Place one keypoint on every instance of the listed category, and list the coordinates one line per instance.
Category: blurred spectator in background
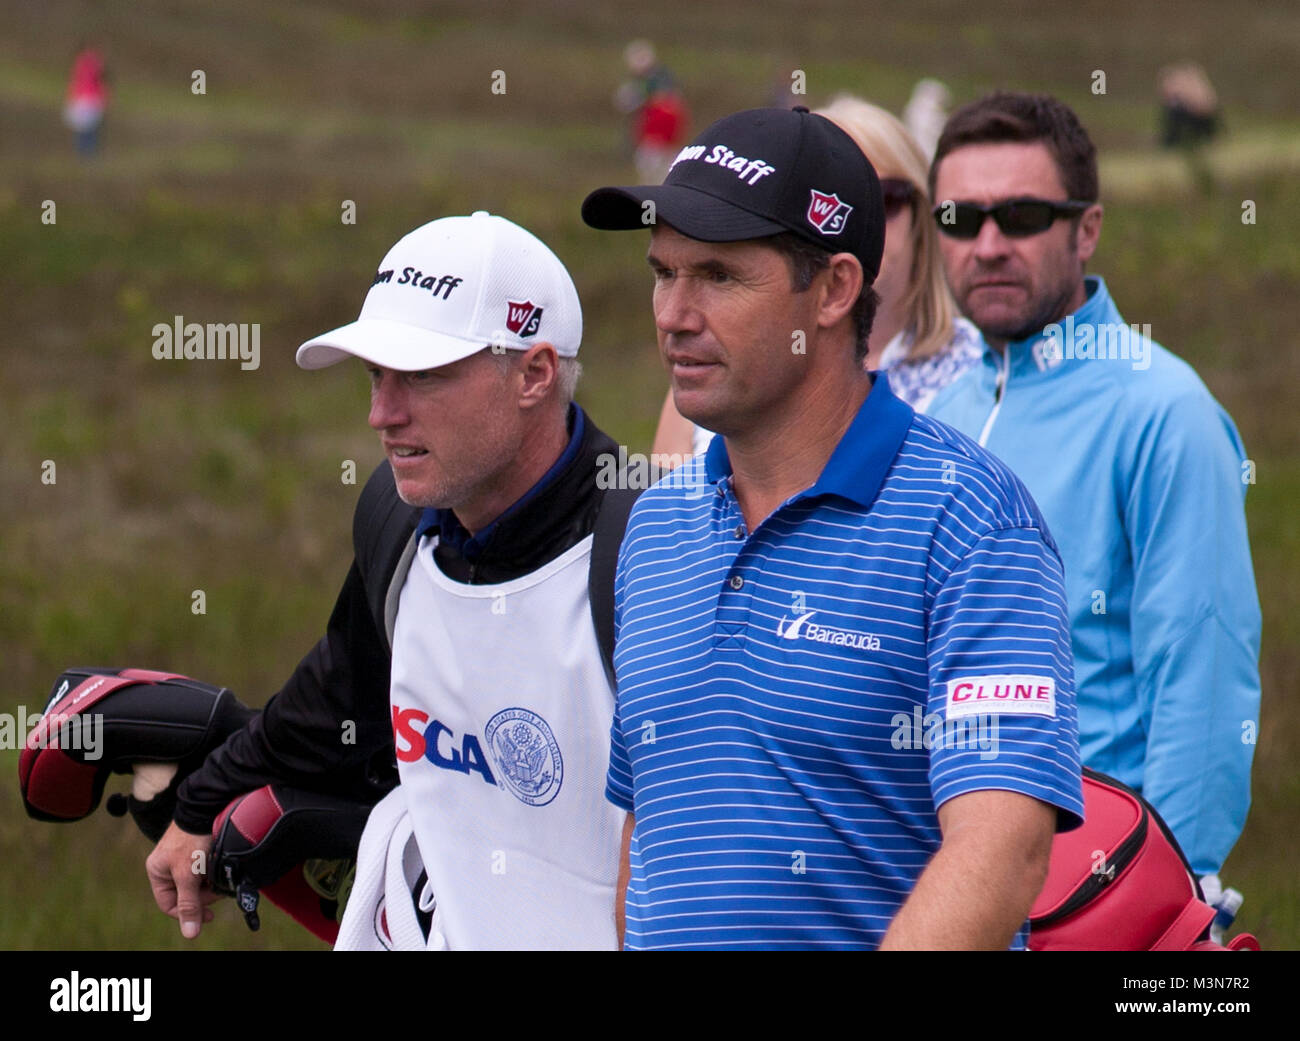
(917, 334)
(657, 110)
(1189, 113)
(1189, 106)
(83, 111)
(926, 113)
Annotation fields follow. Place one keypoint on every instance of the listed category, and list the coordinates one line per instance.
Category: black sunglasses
(895, 194)
(1016, 218)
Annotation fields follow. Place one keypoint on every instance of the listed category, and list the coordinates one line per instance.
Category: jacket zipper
(1004, 371)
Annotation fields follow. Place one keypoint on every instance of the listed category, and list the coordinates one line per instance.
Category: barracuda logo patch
(802, 627)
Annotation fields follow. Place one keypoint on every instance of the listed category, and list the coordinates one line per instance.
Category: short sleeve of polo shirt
(1002, 676)
(618, 782)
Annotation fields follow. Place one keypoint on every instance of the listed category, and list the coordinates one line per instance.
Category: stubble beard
(437, 497)
(448, 490)
(1045, 309)
(1047, 313)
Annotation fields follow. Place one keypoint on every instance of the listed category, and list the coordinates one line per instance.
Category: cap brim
(693, 212)
(381, 341)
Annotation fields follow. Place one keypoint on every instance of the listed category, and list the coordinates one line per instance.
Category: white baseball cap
(451, 288)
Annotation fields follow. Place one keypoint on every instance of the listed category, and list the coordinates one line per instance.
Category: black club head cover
(262, 840)
(100, 721)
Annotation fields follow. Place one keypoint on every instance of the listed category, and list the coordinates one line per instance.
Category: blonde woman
(917, 337)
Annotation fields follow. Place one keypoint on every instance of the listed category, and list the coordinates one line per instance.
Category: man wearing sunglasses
(1138, 470)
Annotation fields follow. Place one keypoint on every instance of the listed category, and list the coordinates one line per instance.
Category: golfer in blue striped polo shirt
(845, 710)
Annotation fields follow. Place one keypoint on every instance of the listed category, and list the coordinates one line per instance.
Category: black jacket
(329, 727)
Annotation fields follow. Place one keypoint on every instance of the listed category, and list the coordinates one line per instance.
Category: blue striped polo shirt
(796, 701)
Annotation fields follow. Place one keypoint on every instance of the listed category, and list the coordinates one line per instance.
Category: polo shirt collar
(857, 467)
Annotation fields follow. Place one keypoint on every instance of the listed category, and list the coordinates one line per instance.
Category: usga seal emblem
(527, 754)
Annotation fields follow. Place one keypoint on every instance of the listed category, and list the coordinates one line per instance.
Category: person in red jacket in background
(87, 97)
(657, 110)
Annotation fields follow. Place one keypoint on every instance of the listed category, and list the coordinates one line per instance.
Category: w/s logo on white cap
(443, 291)
(523, 319)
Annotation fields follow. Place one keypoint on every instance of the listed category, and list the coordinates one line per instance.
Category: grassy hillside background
(225, 207)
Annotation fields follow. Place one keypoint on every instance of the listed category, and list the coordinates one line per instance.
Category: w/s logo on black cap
(714, 193)
(827, 212)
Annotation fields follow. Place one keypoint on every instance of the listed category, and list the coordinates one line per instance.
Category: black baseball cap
(759, 173)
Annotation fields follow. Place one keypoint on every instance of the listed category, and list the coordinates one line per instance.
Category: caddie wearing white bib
(501, 706)
(499, 834)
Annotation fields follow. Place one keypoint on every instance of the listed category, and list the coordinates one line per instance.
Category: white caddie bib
(501, 713)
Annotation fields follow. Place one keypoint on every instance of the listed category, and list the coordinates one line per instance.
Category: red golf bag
(1120, 882)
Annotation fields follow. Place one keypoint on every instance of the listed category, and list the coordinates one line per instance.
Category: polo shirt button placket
(729, 634)
(732, 610)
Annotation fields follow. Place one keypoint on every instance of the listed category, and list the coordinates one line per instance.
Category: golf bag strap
(394, 596)
(607, 536)
(382, 527)
(1184, 930)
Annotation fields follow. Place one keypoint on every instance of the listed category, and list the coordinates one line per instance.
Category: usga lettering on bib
(1008, 695)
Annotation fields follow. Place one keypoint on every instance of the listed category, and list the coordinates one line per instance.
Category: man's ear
(839, 286)
(1089, 232)
(538, 369)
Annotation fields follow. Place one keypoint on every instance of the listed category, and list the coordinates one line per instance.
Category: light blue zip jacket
(1142, 478)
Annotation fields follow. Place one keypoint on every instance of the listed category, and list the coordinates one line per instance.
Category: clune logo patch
(1012, 695)
(523, 319)
(827, 213)
(802, 627)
